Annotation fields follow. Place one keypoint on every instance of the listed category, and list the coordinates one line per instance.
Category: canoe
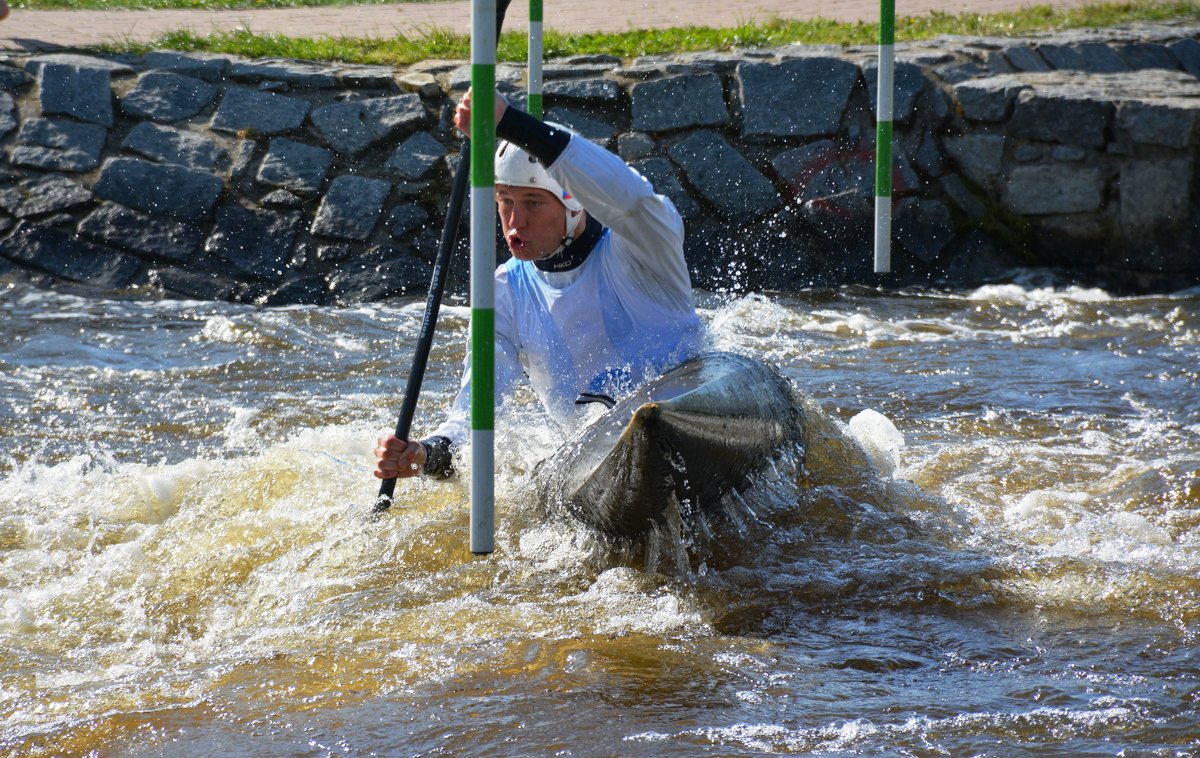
(685, 440)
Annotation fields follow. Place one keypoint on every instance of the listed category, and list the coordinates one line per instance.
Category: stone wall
(291, 182)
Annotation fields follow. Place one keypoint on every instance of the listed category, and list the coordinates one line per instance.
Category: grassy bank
(441, 44)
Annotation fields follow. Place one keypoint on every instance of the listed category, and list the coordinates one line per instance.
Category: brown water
(187, 566)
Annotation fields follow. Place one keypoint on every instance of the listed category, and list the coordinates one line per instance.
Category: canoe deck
(685, 440)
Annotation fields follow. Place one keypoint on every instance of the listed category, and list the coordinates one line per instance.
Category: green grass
(438, 43)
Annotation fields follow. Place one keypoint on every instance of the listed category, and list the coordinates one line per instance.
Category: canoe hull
(684, 440)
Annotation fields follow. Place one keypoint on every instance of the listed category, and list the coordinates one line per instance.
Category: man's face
(533, 220)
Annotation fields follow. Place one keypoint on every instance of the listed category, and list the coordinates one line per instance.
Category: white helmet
(517, 168)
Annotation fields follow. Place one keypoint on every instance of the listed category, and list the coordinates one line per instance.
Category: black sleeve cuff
(439, 459)
(535, 137)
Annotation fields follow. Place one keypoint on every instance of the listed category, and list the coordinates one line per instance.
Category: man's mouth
(516, 241)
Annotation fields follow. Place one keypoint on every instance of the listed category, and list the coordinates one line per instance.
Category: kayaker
(596, 298)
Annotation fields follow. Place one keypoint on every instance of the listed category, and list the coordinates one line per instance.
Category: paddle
(433, 303)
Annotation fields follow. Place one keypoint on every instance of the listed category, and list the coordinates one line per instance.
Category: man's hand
(462, 113)
(399, 458)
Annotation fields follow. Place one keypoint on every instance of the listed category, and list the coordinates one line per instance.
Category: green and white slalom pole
(483, 283)
(883, 137)
(536, 51)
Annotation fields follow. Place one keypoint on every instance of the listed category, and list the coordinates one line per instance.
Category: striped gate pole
(883, 137)
(483, 283)
(536, 51)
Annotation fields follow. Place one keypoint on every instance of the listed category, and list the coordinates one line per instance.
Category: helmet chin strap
(569, 237)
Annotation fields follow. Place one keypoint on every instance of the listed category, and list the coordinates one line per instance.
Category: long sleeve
(457, 425)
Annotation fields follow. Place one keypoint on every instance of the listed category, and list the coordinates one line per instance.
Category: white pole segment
(883, 159)
(883, 137)
(483, 283)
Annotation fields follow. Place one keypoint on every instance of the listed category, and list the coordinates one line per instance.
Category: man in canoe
(596, 298)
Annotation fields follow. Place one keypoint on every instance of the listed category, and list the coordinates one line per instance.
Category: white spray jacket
(622, 317)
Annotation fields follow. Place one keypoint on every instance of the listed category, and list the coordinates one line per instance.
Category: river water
(187, 566)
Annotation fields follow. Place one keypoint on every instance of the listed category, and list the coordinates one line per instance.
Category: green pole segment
(536, 52)
(483, 283)
(883, 137)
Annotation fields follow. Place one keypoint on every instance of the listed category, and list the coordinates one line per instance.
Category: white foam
(879, 438)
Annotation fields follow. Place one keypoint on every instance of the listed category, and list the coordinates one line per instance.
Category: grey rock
(1186, 51)
(8, 114)
(996, 63)
(908, 82)
(371, 280)
(1068, 153)
(183, 148)
(827, 178)
(413, 157)
(646, 69)
(980, 157)
(923, 57)
(1028, 152)
(69, 257)
(295, 166)
(799, 166)
(1042, 190)
(281, 199)
(923, 227)
(205, 66)
(422, 83)
(1025, 58)
(662, 176)
(563, 69)
(1061, 113)
(679, 102)
(258, 243)
(126, 228)
(82, 93)
(963, 198)
(1170, 123)
(928, 156)
(159, 189)
(1155, 197)
(351, 208)
(632, 146)
(989, 99)
(601, 91)
(723, 177)
(40, 195)
(59, 145)
(202, 286)
(1094, 57)
(304, 290)
(805, 97)
(350, 128)
(292, 72)
(368, 77)
(589, 128)
(1142, 55)
(507, 77)
(243, 156)
(35, 63)
(960, 72)
(166, 97)
(258, 113)
(14, 79)
(405, 219)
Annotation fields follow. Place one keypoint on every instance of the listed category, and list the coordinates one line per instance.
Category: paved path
(41, 30)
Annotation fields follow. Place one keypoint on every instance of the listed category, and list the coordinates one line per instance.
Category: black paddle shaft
(433, 302)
